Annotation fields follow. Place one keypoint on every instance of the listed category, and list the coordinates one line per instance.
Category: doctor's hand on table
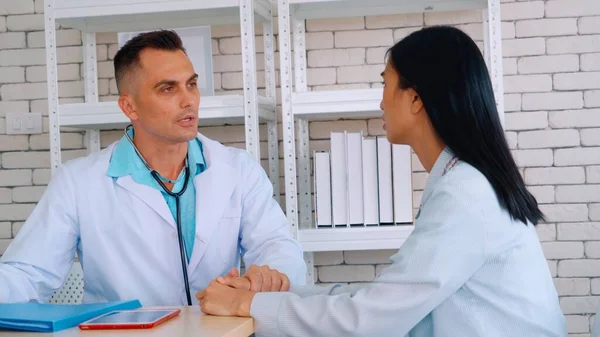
(232, 295)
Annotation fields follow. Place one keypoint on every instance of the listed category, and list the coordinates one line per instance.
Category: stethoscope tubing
(158, 179)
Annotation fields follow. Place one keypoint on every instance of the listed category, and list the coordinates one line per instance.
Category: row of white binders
(362, 181)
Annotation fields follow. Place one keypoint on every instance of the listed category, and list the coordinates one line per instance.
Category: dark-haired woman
(473, 266)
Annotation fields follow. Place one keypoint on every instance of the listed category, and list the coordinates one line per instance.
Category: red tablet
(130, 319)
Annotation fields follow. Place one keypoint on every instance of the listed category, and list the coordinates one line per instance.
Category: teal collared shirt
(125, 161)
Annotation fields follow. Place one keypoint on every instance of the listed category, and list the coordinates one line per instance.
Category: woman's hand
(222, 300)
(257, 279)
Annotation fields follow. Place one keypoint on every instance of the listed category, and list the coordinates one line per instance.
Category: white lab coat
(126, 237)
(467, 270)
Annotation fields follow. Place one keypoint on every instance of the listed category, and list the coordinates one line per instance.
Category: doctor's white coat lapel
(151, 196)
(214, 188)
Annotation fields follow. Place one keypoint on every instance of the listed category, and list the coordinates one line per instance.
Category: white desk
(191, 322)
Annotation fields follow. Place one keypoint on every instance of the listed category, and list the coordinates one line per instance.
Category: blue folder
(55, 317)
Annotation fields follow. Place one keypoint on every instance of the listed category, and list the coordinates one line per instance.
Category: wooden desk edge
(244, 330)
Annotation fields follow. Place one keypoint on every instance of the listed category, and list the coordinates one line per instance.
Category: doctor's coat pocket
(229, 236)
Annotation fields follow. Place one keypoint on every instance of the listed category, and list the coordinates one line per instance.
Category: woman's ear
(128, 107)
(417, 104)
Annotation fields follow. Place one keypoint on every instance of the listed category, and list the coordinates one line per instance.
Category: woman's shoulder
(465, 199)
(464, 180)
(470, 194)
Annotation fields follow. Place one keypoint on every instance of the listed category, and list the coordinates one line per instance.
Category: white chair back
(71, 291)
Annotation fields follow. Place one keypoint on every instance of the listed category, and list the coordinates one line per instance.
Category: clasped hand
(232, 294)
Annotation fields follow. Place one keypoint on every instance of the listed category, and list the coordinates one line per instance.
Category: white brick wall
(8, 7)
(590, 61)
(552, 83)
(572, 286)
(572, 8)
(588, 25)
(554, 175)
(523, 47)
(533, 158)
(546, 27)
(592, 98)
(575, 118)
(553, 100)
(25, 22)
(548, 139)
(565, 212)
(563, 250)
(578, 323)
(577, 81)
(548, 64)
(12, 40)
(366, 38)
(526, 120)
(528, 83)
(573, 44)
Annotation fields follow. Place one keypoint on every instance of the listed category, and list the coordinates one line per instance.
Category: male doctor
(121, 208)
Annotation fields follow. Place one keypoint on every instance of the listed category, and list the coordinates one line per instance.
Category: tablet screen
(131, 317)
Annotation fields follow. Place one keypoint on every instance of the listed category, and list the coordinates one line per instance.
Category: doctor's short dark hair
(449, 74)
(128, 57)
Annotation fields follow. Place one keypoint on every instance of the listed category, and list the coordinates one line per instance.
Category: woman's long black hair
(447, 70)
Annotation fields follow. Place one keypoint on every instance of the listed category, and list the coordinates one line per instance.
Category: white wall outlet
(19, 123)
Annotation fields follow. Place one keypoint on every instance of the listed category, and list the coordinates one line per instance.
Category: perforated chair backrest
(71, 291)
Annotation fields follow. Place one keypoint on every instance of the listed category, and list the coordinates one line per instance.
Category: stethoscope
(159, 179)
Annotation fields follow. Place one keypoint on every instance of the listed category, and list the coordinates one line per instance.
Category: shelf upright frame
(303, 141)
(90, 78)
(52, 85)
(287, 117)
(270, 87)
(492, 41)
(249, 73)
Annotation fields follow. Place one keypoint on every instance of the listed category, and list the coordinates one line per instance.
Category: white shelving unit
(93, 16)
(299, 106)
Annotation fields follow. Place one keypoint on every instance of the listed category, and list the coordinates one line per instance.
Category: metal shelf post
(90, 77)
(52, 81)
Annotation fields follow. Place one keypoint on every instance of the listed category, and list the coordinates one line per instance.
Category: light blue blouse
(467, 270)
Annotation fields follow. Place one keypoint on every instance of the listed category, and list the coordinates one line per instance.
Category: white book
(355, 179)
(384, 180)
(322, 193)
(370, 188)
(402, 177)
(339, 179)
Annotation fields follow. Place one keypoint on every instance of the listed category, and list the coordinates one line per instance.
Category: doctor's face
(401, 108)
(164, 96)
